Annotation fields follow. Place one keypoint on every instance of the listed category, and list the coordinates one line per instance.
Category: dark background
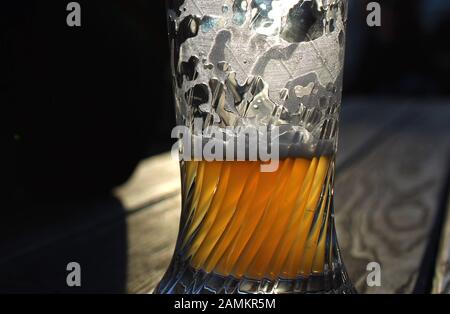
(82, 106)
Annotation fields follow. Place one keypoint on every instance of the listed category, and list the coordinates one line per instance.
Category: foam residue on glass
(245, 63)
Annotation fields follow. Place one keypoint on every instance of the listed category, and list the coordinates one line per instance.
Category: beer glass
(273, 65)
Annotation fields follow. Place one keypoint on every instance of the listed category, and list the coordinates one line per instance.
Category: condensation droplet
(284, 94)
(193, 27)
(208, 23)
(301, 91)
(223, 66)
(341, 38)
(225, 8)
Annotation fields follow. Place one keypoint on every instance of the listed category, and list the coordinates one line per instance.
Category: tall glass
(252, 224)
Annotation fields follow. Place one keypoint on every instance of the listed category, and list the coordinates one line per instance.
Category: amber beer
(242, 222)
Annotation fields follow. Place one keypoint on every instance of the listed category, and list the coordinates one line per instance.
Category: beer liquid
(241, 222)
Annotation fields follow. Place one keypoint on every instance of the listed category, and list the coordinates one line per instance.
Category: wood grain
(154, 179)
(441, 282)
(387, 203)
(151, 241)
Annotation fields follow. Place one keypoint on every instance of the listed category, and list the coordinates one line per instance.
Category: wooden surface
(387, 202)
(390, 205)
(441, 283)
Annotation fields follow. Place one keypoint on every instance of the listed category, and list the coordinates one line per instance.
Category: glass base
(184, 279)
